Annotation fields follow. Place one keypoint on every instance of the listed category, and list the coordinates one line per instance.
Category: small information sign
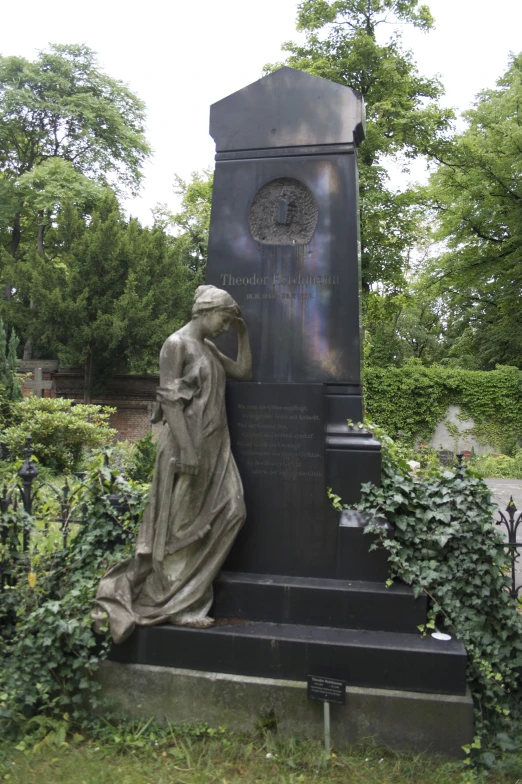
(326, 689)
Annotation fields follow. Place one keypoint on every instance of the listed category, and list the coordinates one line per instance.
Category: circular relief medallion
(283, 212)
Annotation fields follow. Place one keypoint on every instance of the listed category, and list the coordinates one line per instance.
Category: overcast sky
(180, 57)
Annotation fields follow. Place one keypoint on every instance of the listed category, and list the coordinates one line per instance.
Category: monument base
(403, 720)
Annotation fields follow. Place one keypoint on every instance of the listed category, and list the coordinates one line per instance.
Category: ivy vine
(48, 650)
(444, 544)
(413, 399)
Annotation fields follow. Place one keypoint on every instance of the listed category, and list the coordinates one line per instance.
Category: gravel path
(501, 492)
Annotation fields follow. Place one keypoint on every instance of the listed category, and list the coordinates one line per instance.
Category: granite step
(373, 659)
(313, 601)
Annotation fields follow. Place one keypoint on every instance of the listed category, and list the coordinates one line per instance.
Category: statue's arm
(171, 369)
(241, 369)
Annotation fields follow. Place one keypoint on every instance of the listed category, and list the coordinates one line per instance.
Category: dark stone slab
(299, 299)
(312, 601)
(277, 436)
(386, 660)
(287, 108)
(355, 560)
(352, 460)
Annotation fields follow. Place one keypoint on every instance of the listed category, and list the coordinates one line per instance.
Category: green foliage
(193, 222)
(498, 466)
(66, 130)
(444, 544)
(10, 389)
(110, 296)
(143, 459)
(60, 430)
(413, 399)
(403, 117)
(64, 126)
(476, 197)
(48, 651)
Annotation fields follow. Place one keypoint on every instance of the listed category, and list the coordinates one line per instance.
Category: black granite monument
(284, 242)
(300, 593)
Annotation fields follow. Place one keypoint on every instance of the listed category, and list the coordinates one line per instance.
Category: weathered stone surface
(405, 721)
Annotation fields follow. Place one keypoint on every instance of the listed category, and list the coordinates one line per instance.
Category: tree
(409, 326)
(403, 117)
(476, 196)
(10, 390)
(192, 224)
(108, 294)
(66, 129)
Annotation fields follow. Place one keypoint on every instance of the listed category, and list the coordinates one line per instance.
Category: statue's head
(211, 298)
(216, 307)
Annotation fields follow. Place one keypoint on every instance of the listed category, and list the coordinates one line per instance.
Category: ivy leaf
(443, 539)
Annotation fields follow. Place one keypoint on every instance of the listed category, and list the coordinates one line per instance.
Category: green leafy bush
(445, 544)
(498, 466)
(48, 650)
(143, 459)
(61, 430)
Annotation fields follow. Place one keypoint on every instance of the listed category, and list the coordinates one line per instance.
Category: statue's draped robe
(190, 522)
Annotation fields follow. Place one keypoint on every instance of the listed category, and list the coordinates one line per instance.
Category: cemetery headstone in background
(301, 594)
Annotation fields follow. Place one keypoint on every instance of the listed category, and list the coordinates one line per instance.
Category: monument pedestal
(403, 720)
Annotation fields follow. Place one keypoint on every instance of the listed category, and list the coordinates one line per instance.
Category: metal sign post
(327, 734)
(326, 690)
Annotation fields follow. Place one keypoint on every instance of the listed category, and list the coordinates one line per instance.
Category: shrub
(498, 466)
(61, 430)
(143, 460)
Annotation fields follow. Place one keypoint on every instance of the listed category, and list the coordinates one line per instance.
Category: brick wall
(131, 420)
(131, 396)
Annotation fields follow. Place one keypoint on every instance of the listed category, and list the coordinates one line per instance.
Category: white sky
(180, 57)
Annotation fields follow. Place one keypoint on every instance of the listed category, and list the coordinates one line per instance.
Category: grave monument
(300, 593)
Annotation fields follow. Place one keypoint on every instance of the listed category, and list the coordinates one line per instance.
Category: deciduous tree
(342, 43)
(66, 128)
(476, 195)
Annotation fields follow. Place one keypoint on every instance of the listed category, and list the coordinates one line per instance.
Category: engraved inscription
(275, 440)
(274, 282)
(283, 212)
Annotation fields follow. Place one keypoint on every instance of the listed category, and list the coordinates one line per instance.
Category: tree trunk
(41, 233)
(87, 373)
(16, 235)
(28, 345)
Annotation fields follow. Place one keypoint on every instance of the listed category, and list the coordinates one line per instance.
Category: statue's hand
(188, 463)
(239, 325)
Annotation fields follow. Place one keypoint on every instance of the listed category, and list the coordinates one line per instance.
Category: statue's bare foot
(200, 623)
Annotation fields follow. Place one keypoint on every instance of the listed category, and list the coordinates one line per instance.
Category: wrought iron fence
(69, 509)
(511, 525)
(26, 492)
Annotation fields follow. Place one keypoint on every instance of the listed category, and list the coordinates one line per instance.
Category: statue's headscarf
(212, 298)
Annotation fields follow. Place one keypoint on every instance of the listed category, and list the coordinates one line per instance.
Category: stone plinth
(402, 720)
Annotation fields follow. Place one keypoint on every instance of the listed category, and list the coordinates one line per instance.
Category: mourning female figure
(195, 508)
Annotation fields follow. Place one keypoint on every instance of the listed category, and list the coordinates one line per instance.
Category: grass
(223, 758)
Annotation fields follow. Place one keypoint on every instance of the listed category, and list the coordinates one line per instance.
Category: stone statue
(196, 507)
